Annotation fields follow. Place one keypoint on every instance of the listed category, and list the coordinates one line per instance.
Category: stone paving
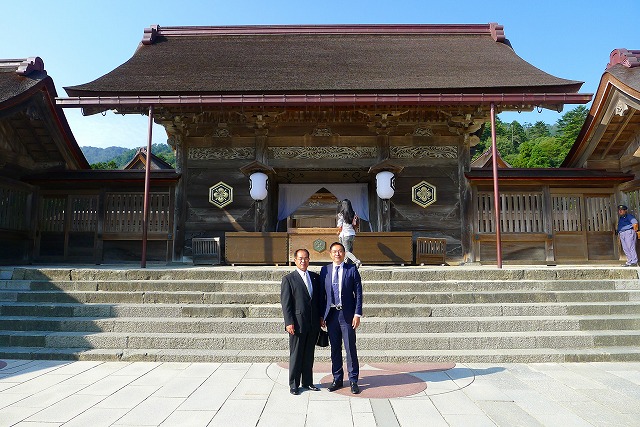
(55, 393)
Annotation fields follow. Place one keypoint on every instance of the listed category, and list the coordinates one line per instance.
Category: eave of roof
(20, 79)
(546, 174)
(100, 176)
(622, 76)
(511, 100)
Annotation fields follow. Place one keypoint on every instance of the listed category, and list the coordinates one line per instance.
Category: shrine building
(273, 125)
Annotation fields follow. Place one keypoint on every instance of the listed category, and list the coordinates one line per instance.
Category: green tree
(543, 152)
(168, 157)
(517, 134)
(534, 146)
(502, 130)
(569, 126)
(110, 165)
(538, 130)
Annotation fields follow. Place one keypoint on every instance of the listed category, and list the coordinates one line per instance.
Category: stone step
(198, 297)
(536, 309)
(233, 314)
(187, 310)
(275, 311)
(366, 341)
(427, 273)
(275, 325)
(545, 355)
(6, 273)
(274, 286)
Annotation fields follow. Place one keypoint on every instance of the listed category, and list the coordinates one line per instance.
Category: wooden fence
(124, 213)
(14, 208)
(519, 213)
(543, 226)
(72, 225)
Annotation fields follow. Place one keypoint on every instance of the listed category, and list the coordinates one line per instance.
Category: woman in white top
(346, 223)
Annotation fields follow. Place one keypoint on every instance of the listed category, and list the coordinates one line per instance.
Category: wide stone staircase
(232, 314)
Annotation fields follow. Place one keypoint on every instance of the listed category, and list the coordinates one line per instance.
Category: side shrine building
(273, 125)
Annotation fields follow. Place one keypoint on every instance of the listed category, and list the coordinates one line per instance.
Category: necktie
(307, 280)
(335, 287)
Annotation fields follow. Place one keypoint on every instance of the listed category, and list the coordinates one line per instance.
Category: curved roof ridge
(24, 66)
(495, 30)
(626, 57)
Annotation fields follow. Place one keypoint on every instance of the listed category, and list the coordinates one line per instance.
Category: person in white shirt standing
(347, 220)
(303, 303)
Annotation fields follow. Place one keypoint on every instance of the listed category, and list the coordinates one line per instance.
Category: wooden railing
(599, 213)
(69, 223)
(52, 214)
(124, 213)
(13, 208)
(84, 213)
(567, 213)
(633, 201)
(519, 213)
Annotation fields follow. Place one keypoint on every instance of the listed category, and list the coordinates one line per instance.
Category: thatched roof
(325, 59)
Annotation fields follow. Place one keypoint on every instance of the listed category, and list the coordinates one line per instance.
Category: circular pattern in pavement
(382, 380)
(414, 367)
(379, 384)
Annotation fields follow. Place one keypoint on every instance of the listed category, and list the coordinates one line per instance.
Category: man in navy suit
(342, 313)
(302, 299)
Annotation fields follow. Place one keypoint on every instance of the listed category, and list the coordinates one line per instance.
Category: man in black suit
(302, 299)
(343, 309)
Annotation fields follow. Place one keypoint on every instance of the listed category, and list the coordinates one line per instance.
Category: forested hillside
(117, 157)
(96, 155)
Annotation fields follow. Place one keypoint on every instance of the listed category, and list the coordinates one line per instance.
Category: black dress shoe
(311, 387)
(335, 385)
(294, 391)
(354, 388)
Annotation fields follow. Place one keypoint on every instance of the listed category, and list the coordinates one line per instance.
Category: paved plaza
(57, 393)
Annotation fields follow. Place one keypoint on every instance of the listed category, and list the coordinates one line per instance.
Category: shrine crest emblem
(319, 245)
(220, 194)
(423, 194)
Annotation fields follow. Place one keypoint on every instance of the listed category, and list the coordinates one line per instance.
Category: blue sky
(81, 40)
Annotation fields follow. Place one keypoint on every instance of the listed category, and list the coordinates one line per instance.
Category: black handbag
(323, 338)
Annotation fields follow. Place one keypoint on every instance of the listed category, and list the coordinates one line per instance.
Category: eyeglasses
(339, 251)
(302, 259)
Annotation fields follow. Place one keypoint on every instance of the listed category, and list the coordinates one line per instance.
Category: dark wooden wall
(300, 149)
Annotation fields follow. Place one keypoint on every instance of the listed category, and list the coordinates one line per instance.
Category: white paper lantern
(385, 184)
(258, 185)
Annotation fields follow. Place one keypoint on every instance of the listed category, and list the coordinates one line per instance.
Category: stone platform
(222, 314)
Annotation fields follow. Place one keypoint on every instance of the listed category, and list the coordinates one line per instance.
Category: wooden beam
(619, 131)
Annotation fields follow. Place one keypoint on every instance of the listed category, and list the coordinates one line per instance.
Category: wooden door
(67, 226)
(601, 240)
(569, 233)
(583, 227)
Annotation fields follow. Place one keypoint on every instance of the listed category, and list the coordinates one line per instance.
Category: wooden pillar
(466, 203)
(147, 186)
(385, 214)
(32, 220)
(261, 144)
(383, 206)
(99, 243)
(180, 210)
(496, 191)
(261, 209)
